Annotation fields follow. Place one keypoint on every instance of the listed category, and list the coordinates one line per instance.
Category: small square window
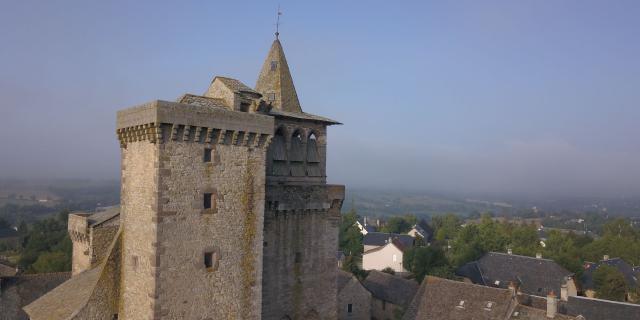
(208, 200)
(349, 308)
(208, 154)
(211, 260)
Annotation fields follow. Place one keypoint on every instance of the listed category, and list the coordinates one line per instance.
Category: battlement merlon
(158, 120)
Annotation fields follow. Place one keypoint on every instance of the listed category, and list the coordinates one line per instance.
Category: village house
(389, 256)
(364, 227)
(391, 294)
(354, 301)
(442, 299)
(422, 230)
(627, 271)
(533, 275)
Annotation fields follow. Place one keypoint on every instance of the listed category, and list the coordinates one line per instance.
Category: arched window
(278, 150)
(297, 153)
(313, 157)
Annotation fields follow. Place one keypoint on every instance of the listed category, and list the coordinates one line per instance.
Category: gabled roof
(235, 85)
(381, 239)
(343, 279)
(390, 288)
(442, 299)
(630, 276)
(201, 101)
(275, 79)
(597, 309)
(535, 276)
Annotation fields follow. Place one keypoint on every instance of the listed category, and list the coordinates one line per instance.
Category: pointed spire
(275, 82)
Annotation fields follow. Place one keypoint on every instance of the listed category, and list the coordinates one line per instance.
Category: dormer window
(488, 306)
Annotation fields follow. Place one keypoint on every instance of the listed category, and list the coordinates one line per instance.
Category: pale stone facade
(387, 256)
(215, 221)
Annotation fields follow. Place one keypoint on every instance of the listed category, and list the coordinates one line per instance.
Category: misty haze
(256, 160)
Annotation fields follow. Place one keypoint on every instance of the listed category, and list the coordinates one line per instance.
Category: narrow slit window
(208, 154)
(211, 260)
(208, 200)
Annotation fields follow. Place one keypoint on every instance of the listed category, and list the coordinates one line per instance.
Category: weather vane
(278, 22)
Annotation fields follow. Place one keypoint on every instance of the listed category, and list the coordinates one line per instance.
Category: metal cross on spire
(278, 22)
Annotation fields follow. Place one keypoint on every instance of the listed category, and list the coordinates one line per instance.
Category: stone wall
(139, 204)
(383, 310)
(232, 229)
(77, 228)
(104, 300)
(354, 294)
(300, 241)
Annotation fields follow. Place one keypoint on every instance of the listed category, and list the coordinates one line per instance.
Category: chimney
(513, 288)
(564, 291)
(552, 305)
(509, 251)
(606, 257)
(539, 255)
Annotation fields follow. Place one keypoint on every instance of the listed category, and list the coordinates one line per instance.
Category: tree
(399, 224)
(422, 260)
(350, 237)
(445, 226)
(609, 283)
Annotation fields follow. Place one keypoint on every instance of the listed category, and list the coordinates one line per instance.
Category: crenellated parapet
(164, 121)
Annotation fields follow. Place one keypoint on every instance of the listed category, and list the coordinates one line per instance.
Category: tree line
(456, 243)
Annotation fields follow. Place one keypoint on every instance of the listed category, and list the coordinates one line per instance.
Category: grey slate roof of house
(630, 277)
(533, 275)
(596, 309)
(390, 288)
(442, 299)
(381, 238)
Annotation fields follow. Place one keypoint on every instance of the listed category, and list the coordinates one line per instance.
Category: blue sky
(527, 97)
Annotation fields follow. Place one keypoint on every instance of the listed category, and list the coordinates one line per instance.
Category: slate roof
(202, 101)
(390, 288)
(7, 232)
(528, 313)
(235, 85)
(442, 299)
(301, 115)
(7, 270)
(533, 275)
(597, 309)
(75, 293)
(630, 277)
(381, 239)
(103, 216)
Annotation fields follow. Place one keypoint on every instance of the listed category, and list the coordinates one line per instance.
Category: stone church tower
(225, 212)
(302, 212)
